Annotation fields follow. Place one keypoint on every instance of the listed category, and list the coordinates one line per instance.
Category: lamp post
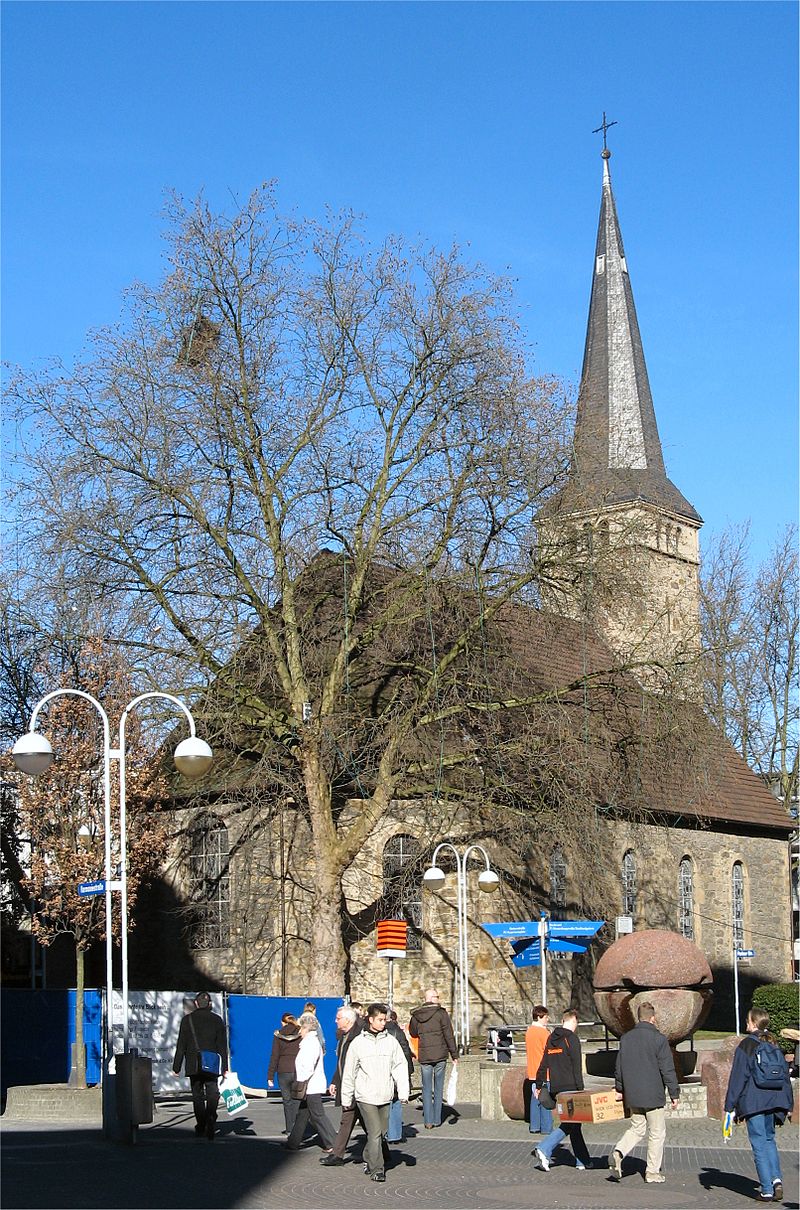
(488, 881)
(33, 754)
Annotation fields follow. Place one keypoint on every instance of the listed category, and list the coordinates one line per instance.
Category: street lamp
(33, 754)
(488, 881)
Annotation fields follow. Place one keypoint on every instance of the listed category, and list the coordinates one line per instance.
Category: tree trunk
(80, 1049)
(328, 959)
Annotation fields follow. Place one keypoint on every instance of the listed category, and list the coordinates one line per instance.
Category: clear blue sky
(454, 121)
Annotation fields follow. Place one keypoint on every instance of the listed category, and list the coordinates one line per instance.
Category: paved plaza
(467, 1163)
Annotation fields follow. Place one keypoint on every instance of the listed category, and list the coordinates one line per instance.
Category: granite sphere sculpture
(658, 966)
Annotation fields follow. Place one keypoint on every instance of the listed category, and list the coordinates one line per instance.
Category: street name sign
(92, 888)
(745, 953)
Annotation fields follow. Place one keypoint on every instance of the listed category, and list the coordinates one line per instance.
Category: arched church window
(686, 898)
(602, 534)
(209, 884)
(737, 903)
(629, 884)
(587, 538)
(676, 539)
(558, 882)
(402, 886)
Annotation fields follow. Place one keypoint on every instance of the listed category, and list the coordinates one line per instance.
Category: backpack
(768, 1066)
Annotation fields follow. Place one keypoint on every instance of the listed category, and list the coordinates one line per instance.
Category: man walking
(561, 1069)
(431, 1025)
(349, 1023)
(644, 1067)
(374, 1069)
(202, 1029)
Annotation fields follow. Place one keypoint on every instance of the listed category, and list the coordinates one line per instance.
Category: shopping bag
(231, 1092)
(452, 1087)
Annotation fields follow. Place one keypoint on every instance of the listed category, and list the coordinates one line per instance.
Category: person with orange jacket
(536, 1035)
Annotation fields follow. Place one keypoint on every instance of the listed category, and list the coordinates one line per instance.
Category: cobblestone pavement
(466, 1165)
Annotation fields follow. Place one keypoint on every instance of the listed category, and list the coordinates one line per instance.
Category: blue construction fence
(37, 1032)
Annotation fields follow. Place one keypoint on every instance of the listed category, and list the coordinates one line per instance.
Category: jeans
(290, 1106)
(432, 1092)
(761, 1132)
(376, 1120)
(650, 1122)
(394, 1133)
(205, 1099)
(348, 1121)
(541, 1118)
(572, 1131)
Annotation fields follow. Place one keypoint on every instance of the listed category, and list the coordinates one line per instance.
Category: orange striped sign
(392, 938)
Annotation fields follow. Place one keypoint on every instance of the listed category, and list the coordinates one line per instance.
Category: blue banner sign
(574, 928)
(532, 956)
(565, 947)
(513, 928)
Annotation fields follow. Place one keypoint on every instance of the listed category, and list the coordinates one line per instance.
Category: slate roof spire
(617, 450)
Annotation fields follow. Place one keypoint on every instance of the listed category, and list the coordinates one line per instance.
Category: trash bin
(134, 1088)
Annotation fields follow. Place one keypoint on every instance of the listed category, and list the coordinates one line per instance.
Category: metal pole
(119, 754)
(542, 955)
(736, 985)
(390, 962)
(108, 1031)
(462, 930)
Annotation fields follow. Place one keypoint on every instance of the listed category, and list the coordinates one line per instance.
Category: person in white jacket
(309, 1066)
(375, 1070)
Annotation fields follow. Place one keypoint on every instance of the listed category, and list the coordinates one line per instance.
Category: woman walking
(760, 1094)
(309, 1070)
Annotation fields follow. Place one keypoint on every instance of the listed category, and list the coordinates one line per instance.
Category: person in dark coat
(395, 1132)
(561, 1069)
(349, 1023)
(202, 1029)
(644, 1068)
(285, 1045)
(431, 1024)
(759, 1108)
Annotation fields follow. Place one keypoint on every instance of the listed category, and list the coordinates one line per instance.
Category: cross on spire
(605, 127)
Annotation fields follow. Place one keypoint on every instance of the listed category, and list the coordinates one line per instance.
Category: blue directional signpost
(99, 886)
(531, 940)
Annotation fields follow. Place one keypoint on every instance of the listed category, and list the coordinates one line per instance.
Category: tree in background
(307, 473)
(750, 636)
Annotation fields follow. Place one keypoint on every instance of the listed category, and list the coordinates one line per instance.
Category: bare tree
(750, 633)
(310, 471)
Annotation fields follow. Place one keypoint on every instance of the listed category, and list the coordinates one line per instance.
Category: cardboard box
(592, 1105)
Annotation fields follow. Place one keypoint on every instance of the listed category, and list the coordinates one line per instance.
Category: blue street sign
(532, 956)
(574, 928)
(523, 943)
(513, 928)
(565, 947)
(745, 953)
(92, 888)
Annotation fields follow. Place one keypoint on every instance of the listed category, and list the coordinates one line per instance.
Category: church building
(706, 856)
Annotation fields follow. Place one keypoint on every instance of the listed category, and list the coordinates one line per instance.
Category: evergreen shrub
(782, 1002)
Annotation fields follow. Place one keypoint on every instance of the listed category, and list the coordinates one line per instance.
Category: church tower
(620, 539)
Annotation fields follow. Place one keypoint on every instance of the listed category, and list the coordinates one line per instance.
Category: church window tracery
(737, 903)
(402, 886)
(209, 884)
(558, 882)
(629, 884)
(686, 898)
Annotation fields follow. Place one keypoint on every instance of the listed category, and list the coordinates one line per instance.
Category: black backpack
(768, 1066)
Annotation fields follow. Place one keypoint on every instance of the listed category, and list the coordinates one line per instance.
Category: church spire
(617, 450)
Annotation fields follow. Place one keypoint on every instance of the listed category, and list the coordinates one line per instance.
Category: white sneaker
(543, 1160)
(615, 1164)
(654, 1178)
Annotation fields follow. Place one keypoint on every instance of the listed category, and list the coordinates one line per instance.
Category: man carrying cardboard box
(561, 1068)
(644, 1067)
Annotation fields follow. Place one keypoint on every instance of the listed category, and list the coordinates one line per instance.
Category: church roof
(617, 455)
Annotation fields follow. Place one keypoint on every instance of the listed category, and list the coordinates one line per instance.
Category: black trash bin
(134, 1088)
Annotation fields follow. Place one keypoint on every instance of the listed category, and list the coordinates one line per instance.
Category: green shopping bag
(231, 1092)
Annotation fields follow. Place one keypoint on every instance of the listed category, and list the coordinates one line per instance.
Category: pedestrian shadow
(400, 1159)
(714, 1178)
(451, 1114)
(244, 1126)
